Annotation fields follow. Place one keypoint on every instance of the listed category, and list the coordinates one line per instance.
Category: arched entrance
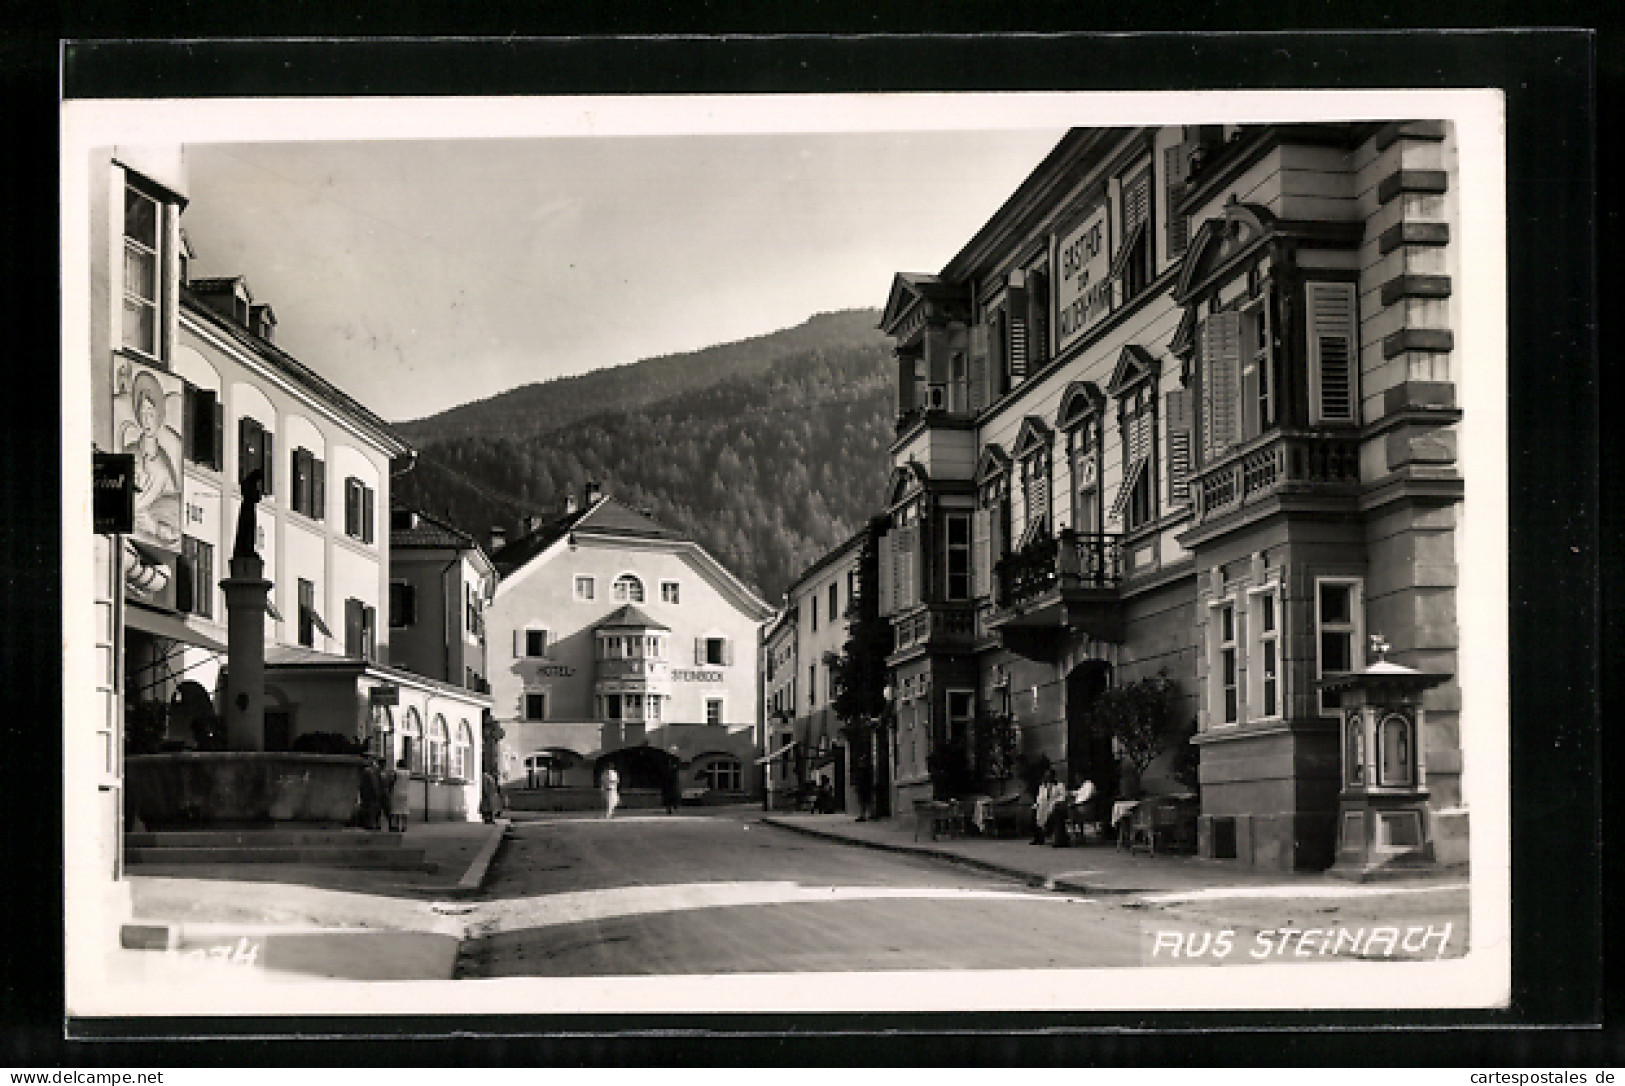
(638, 767)
(1088, 748)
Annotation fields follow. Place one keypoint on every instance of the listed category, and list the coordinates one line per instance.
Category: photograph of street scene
(942, 553)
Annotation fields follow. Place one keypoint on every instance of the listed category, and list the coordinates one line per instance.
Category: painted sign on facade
(1083, 289)
(148, 406)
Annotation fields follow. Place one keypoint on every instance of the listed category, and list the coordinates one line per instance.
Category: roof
(429, 531)
(607, 515)
(834, 554)
(193, 306)
(630, 618)
(300, 657)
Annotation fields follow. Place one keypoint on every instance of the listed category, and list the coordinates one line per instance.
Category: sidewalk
(1091, 869)
(341, 923)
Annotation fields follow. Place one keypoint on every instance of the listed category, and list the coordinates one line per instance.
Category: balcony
(1066, 582)
(937, 625)
(632, 675)
(1277, 465)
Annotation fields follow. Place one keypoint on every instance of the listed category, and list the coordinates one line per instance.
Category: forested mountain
(766, 470)
(532, 409)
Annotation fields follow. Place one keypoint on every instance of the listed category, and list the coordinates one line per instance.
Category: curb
(1043, 882)
(474, 878)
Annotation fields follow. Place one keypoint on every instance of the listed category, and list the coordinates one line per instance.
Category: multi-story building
(1186, 403)
(818, 599)
(613, 636)
(779, 660)
(440, 583)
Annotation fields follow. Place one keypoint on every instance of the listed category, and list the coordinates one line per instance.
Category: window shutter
(1176, 166)
(248, 447)
(518, 644)
(699, 651)
(1130, 477)
(1038, 319)
(885, 586)
(191, 438)
(1179, 447)
(997, 376)
(366, 514)
(981, 555)
(1017, 321)
(352, 627)
(268, 461)
(218, 436)
(728, 652)
(1221, 361)
(352, 507)
(1331, 351)
(301, 482)
(318, 489)
(184, 577)
(1136, 203)
(978, 367)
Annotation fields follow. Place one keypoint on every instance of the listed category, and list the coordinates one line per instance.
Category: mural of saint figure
(145, 433)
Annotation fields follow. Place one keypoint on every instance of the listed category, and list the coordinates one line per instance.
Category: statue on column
(244, 547)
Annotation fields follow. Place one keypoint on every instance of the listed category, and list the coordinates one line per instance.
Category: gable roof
(1034, 434)
(629, 617)
(427, 530)
(993, 461)
(609, 520)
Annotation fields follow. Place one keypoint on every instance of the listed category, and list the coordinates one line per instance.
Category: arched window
(462, 754)
(412, 741)
(381, 738)
(721, 773)
(439, 746)
(628, 589)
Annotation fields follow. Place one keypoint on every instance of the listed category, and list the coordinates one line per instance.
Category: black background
(1558, 522)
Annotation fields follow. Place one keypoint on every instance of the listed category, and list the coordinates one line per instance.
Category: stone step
(260, 838)
(393, 858)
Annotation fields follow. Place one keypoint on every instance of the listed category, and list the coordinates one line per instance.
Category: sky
(422, 274)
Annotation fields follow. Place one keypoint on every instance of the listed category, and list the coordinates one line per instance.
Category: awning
(171, 626)
(764, 759)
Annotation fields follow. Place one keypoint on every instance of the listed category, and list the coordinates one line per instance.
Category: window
(1257, 380)
(439, 747)
(143, 271)
(535, 705)
(1264, 657)
(255, 445)
(1084, 450)
(1332, 394)
(961, 707)
(359, 624)
(812, 684)
(194, 583)
(309, 484)
(473, 611)
(1136, 499)
(715, 651)
(1394, 750)
(307, 611)
(412, 741)
(721, 775)
(1224, 706)
(1035, 491)
(652, 706)
(205, 427)
(532, 643)
(358, 509)
(586, 588)
(462, 753)
(713, 710)
(1133, 266)
(958, 564)
(812, 602)
(611, 706)
(628, 589)
(834, 601)
(403, 604)
(1337, 634)
(668, 592)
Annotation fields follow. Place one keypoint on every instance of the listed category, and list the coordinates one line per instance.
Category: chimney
(591, 493)
(499, 537)
(261, 320)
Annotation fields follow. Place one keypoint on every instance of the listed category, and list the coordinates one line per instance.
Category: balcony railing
(1069, 560)
(941, 623)
(1282, 461)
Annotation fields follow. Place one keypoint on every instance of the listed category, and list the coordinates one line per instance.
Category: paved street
(649, 893)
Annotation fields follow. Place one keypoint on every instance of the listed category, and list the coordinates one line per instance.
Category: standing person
(400, 797)
(490, 797)
(671, 791)
(1051, 802)
(612, 791)
(372, 794)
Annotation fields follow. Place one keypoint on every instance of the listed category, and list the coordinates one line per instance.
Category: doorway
(1088, 748)
(278, 729)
